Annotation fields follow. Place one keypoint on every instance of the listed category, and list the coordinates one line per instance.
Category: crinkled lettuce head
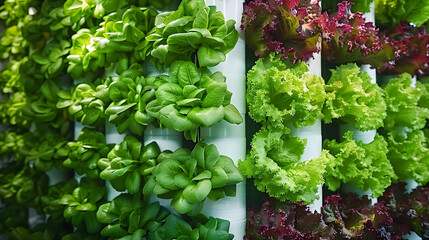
(352, 98)
(274, 163)
(281, 93)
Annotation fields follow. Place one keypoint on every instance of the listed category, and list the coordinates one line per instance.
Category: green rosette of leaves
(124, 35)
(86, 102)
(194, 27)
(127, 163)
(409, 155)
(23, 186)
(10, 77)
(11, 110)
(129, 95)
(279, 92)
(274, 163)
(352, 98)
(189, 178)
(12, 12)
(51, 59)
(45, 150)
(84, 55)
(192, 97)
(41, 106)
(177, 228)
(85, 152)
(364, 165)
(10, 144)
(406, 105)
(12, 43)
(54, 20)
(52, 200)
(81, 205)
(129, 218)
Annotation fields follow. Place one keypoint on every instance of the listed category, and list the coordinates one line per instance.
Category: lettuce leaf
(286, 27)
(392, 12)
(403, 102)
(274, 163)
(359, 5)
(364, 165)
(409, 155)
(354, 99)
(280, 93)
(348, 37)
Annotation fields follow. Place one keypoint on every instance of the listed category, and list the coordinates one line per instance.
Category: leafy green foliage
(274, 163)
(278, 93)
(290, 28)
(354, 99)
(364, 165)
(188, 178)
(194, 27)
(12, 43)
(403, 102)
(177, 228)
(191, 97)
(81, 205)
(11, 110)
(51, 59)
(392, 12)
(129, 218)
(130, 94)
(409, 155)
(10, 77)
(127, 163)
(86, 102)
(23, 186)
(86, 151)
(52, 200)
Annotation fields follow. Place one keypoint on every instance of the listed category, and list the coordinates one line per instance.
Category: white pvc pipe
(313, 149)
(230, 139)
(370, 17)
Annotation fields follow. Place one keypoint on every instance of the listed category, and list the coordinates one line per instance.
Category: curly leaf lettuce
(392, 12)
(278, 93)
(403, 102)
(354, 99)
(364, 165)
(274, 163)
(409, 155)
(287, 27)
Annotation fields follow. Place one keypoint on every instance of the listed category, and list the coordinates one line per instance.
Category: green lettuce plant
(81, 205)
(364, 165)
(52, 200)
(392, 12)
(129, 218)
(41, 106)
(274, 163)
(12, 43)
(10, 144)
(86, 102)
(405, 107)
(191, 97)
(352, 98)
(130, 94)
(23, 185)
(127, 163)
(124, 34)
(278, 93)
(89, 147)
(45, 150)
(188, 178)
(52, 58)
(176, 228)
(10, 77)
(194, 27)
(11, 110)
(409, 155)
